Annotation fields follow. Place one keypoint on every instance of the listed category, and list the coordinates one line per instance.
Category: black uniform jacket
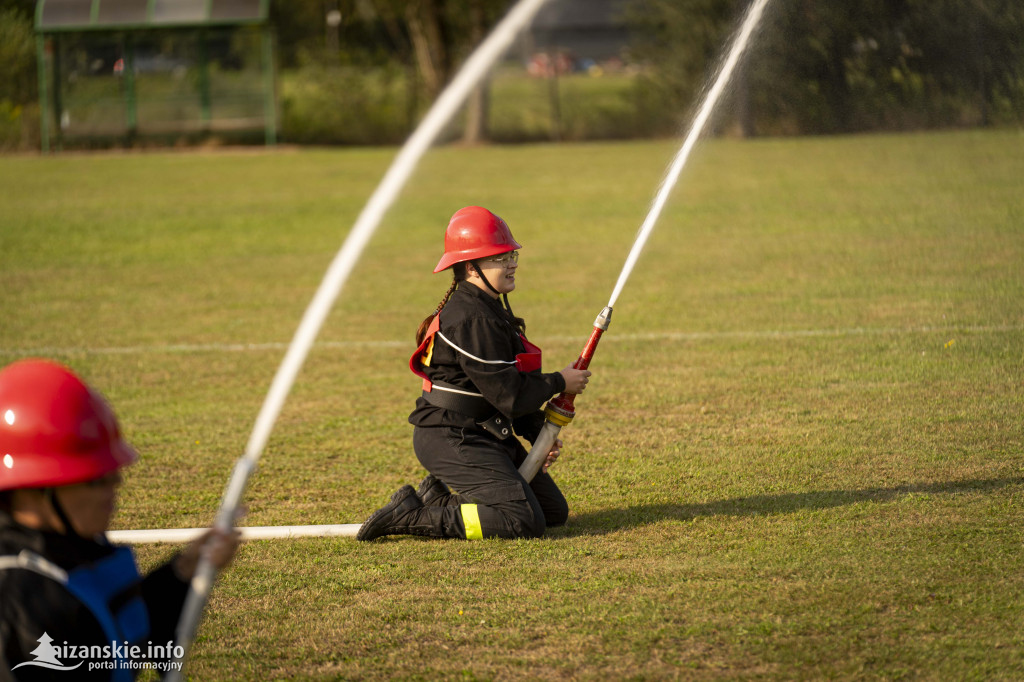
(480, 325)
(31, 604)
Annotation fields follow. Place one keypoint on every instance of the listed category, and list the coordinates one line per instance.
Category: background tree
(841, 67)
(18, 80)
(678, 44)
(973, 58)
(478, 106)
(18, 76)
(441, 34)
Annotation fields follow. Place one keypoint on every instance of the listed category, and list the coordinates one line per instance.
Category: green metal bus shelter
(126, 69)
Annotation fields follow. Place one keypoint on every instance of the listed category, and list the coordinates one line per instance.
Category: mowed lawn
(801, 455)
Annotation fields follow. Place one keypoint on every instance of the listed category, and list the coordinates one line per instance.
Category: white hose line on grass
(474, 70)
(178, 535)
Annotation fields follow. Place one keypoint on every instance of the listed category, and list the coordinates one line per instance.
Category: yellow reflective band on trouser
(471, 518)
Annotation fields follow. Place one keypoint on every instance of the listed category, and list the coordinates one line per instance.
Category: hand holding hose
(553, 453)
(559, 411)
(575, 379)
(217, 545)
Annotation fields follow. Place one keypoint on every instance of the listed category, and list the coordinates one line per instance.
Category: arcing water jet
(474, 70)
(560, 411)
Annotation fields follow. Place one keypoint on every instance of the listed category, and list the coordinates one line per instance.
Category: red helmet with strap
(54, 430)
(473, 233)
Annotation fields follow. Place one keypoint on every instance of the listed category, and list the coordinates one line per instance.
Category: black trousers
(490, 498)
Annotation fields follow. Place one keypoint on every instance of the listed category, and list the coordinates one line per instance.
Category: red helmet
(472, 233)
(54, 430)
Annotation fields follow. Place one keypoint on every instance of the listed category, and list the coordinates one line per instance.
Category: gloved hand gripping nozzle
(561, 410)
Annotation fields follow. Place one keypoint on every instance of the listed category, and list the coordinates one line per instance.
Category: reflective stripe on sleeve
(471, 518)
(470, 355)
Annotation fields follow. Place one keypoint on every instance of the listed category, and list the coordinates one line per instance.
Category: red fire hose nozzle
(560, 411)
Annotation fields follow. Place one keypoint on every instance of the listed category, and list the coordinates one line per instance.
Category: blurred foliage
(17, 54)
(17, 77)
(333, 104)
(427, 39)
(842, 67)
(365, 71)
(430, 36)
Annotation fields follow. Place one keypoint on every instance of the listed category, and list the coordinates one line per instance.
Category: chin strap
(519, 324)
(480, 271)
(504, 297)
(51, 497)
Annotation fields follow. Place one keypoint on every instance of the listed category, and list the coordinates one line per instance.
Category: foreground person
(482, 386)
(64, 590)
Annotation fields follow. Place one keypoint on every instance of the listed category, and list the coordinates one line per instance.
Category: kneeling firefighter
(69, 600)
(482, 386)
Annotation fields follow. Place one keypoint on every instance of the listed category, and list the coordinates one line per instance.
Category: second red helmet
(474, 232)
(54, 430)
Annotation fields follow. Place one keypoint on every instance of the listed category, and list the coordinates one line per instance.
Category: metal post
(44, 93)
(58, 103)
(555, 98)
(269, 101)
(205, 101)
(131, 113)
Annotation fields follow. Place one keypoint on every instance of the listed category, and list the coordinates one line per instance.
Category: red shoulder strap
(422, 352)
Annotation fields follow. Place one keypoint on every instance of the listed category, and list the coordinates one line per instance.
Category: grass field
(800, 456)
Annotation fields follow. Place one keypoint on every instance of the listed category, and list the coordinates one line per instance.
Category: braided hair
(458, 275)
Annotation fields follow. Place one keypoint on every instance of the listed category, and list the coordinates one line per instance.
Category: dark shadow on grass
(610, 520)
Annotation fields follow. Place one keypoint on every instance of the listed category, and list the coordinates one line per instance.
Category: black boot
(431, 490)
(403, 515)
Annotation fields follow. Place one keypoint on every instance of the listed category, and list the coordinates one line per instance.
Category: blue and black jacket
(59, 591)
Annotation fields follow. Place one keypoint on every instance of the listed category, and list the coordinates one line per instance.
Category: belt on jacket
(449, 397)
(487, 417)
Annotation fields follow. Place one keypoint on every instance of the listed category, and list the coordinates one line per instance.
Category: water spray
(561, 410)
(453, 96)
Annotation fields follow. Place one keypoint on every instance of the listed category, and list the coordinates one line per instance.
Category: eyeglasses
(505, 259)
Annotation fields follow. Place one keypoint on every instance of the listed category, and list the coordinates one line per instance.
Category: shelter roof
(106, 15)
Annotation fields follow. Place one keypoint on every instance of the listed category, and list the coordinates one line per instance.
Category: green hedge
(18, 109)
(344, 105)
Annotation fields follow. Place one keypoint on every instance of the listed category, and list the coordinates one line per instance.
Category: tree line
(834, 67)
(814, 67)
